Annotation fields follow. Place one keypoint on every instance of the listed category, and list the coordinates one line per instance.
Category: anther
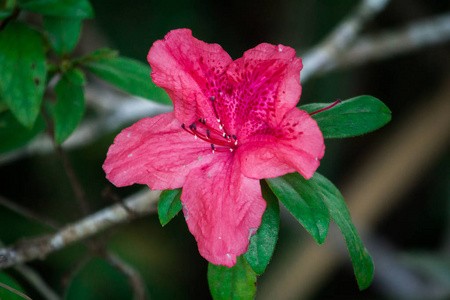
(200, 120)
(224, 135)
(208, 133)
(212, 147)
(183, 126)
(212, 98)
(234, 137)
(193, 126)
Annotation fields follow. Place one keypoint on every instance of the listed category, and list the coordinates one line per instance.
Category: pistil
(326, 108)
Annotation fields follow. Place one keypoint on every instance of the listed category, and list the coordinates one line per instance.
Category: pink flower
(234, 123)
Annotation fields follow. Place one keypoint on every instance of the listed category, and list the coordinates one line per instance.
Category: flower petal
(296, 145)
(223, 209)
(265, 85)
(190, 71)
(157, 152)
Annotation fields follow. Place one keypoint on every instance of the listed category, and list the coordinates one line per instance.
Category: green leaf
(237, 282)
(97, 280)
(129, 75)
(362, 262)
(22, 71)
(69, 110)
(6, 284)
(59, 8)
(352, 117)
(13, 135)
(169, 205)
(263, 242)
(103, 53)
(63, 33)
(304, 201)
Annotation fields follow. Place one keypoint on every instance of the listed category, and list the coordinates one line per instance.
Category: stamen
(212, 98)
(234, 137)
(328, 107)
(208, 133)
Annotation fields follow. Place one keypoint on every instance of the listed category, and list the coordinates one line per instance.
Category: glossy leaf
(13, 134)
(59, 8)
(351, 117)
(22, 71)
(69, 110)
(263, 242)
(362, 262)
(304, 202)
(236, 283)
(63, 33)
(169, 205)
(129, 75)
(6, 284)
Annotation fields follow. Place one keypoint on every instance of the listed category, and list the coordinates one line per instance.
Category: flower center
(220, 141)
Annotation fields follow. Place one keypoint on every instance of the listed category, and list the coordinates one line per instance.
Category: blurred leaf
(263, 242)
(304, 201)
(59, 8)
(169, 205)
(237, 282)
(351, 117)
(131, 76)
(4, 14)
(63, 33)
(362, 262)
(69, 109)
(22, 71)
(7, 294)
(98, 280)
(13, 134)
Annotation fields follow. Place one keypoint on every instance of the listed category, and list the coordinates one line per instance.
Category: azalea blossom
(234, 123)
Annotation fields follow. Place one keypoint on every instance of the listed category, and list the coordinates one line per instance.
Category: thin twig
(134, 278)
(29, 213)
(15, 291)
(340, 38)
(37, 282)
(143, 203)
(67, 278)
(74, 182)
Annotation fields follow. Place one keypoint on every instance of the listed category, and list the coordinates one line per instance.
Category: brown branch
(142, 203)
(134, 278)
